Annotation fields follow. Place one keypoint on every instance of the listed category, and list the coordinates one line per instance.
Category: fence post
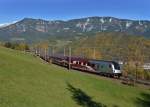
(69, 67)
(94, 53)
(64, 51)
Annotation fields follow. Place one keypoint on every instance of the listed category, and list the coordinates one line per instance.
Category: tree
(8, 45)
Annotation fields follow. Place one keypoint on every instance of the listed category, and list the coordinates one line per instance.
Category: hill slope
(26, 81)
(34, 30)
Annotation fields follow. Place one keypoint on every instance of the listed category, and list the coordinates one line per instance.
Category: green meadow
(27, 81)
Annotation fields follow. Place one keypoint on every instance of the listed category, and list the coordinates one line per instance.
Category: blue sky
(12, 10)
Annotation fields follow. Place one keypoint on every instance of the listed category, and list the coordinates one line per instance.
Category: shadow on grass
(81, 98)
(144, 101)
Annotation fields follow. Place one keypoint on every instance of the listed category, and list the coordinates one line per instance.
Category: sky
(13, 10)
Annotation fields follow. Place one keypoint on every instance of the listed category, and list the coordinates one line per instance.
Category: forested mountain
(35, 30)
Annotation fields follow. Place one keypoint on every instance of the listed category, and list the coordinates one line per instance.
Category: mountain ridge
(30, 18)
(30, 28)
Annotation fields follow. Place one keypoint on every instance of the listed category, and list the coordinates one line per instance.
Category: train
(100, 67)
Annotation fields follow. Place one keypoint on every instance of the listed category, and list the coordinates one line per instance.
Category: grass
(26, 81)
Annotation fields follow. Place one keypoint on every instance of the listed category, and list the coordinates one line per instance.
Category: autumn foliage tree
(17, 46)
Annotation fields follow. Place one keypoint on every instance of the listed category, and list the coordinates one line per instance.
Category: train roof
(59, 56)
(93, 60)
(74, 58)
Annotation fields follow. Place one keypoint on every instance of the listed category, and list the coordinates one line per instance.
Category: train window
(74, 62)
(88, 64)
(110, 66)
(97, 66)
(116, 65)
(93, 65)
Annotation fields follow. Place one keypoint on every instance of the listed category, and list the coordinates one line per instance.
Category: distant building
(146, 66)
(17, 39)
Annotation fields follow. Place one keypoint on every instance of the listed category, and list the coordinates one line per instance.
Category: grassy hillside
(26, 81)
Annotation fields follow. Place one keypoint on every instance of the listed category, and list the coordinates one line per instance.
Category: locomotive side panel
(102, 67)
(109, 68)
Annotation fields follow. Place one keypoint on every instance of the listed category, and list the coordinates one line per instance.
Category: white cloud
(6, 24)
